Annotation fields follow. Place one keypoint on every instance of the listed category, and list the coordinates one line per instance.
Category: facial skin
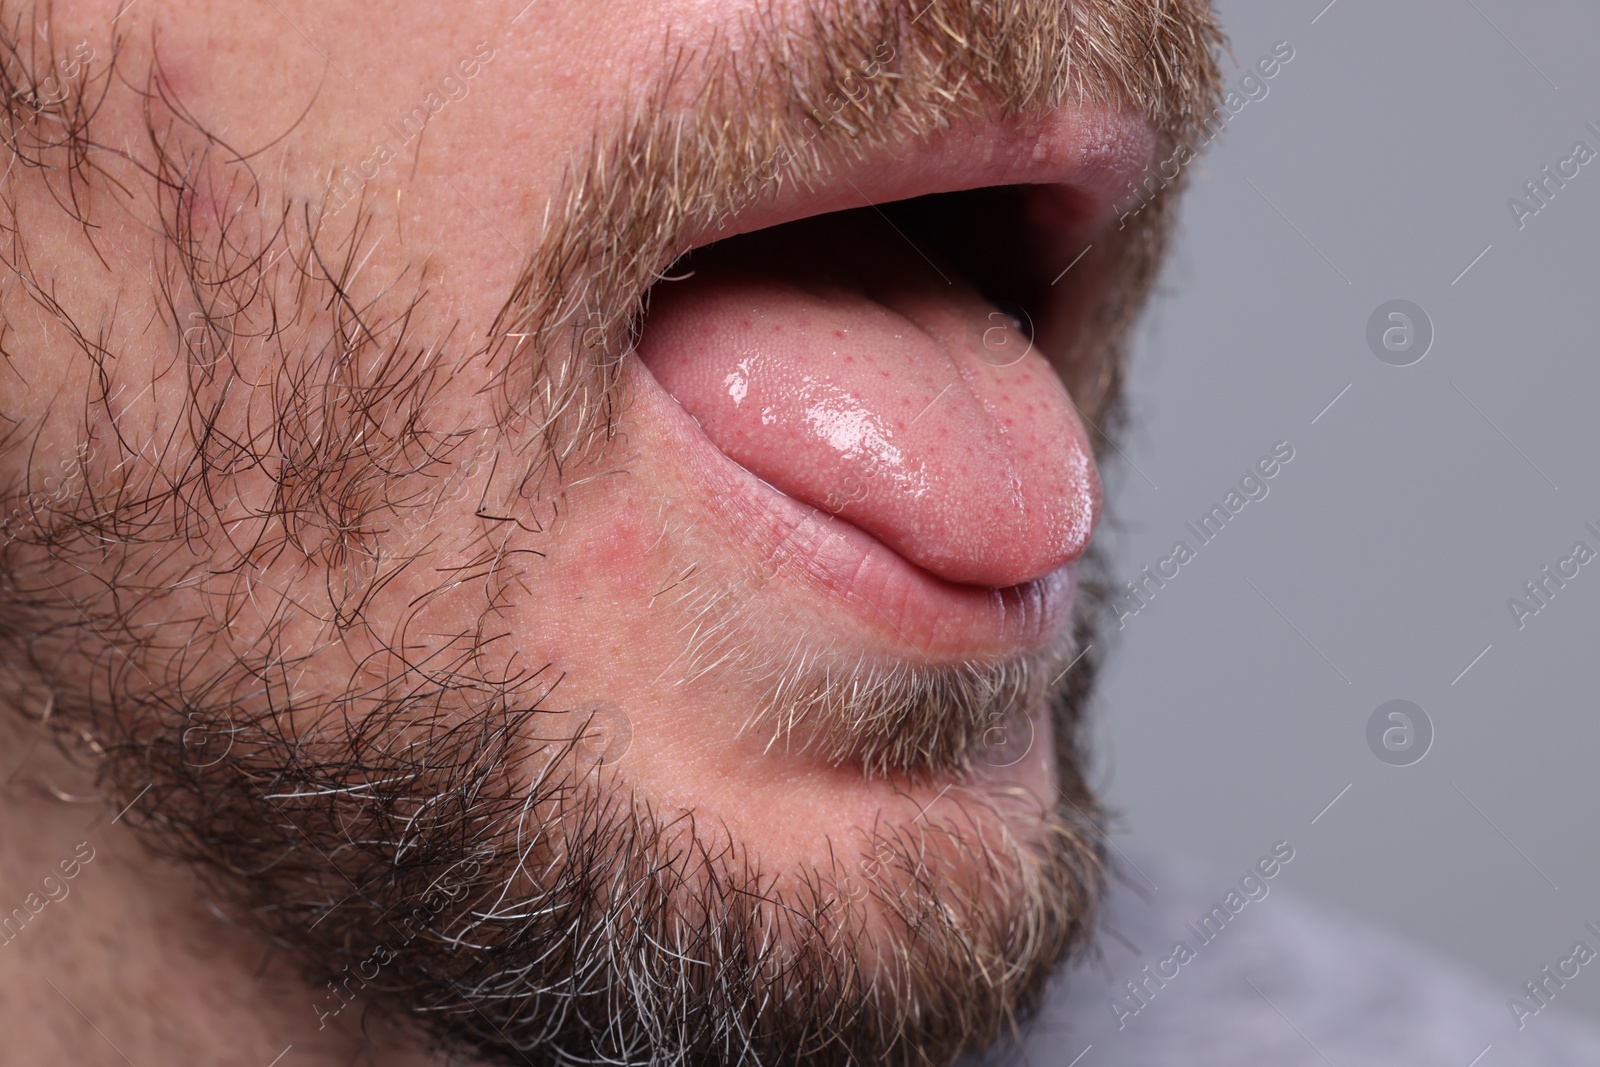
(414, 569)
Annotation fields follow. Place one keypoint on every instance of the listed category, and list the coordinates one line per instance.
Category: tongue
(832, 361)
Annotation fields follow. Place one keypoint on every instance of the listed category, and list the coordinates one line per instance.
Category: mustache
(716, 131)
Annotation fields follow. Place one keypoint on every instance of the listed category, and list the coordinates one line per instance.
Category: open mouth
(871, 405)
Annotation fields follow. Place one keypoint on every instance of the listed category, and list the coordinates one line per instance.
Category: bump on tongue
(833, 362)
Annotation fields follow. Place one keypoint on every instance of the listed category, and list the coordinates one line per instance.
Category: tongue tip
(1000, 532)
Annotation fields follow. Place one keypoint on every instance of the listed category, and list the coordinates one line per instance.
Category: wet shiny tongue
(832, 361)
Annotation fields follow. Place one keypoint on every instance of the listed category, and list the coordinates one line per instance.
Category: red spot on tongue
(884, 395)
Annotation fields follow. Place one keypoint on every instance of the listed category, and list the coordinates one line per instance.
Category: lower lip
(843, 567)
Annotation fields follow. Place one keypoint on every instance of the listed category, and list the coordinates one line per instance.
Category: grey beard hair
(904, 719)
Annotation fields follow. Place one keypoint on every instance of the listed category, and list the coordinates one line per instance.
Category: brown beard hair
(566, 921)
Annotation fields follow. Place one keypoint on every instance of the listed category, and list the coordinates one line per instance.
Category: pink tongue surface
(842, 370)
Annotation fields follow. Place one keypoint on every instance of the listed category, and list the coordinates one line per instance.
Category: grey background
(1378, 167)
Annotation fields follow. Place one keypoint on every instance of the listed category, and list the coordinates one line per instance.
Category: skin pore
(357, 567)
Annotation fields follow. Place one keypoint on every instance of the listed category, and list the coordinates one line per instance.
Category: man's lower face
(584, 578)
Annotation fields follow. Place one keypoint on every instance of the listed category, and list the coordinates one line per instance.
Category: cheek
(601, 547)
(586, 605)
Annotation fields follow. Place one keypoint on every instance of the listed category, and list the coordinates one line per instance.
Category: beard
(203, 605)
(475, 867)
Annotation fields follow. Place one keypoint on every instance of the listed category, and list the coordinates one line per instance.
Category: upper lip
(1097, 154)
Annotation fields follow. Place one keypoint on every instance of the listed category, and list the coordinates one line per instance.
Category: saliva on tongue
(832, 360)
